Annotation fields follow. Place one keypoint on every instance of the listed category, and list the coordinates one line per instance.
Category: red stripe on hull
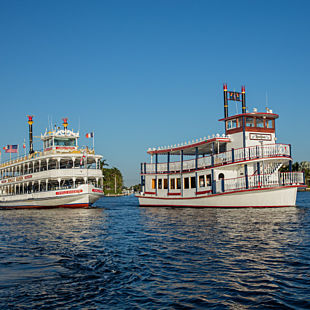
(78, 205)
(225, 193)
(226, 207)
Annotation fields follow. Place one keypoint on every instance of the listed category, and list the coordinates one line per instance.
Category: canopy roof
(204, 146)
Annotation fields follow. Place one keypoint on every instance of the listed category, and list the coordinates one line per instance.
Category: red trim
(150, 193)
(203, 192)
(233, 207)
(228, 193)
(268, 115)
(174, 194)
(251, 129)
(77, 205)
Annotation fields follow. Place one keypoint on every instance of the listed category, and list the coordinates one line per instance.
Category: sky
(150, 73)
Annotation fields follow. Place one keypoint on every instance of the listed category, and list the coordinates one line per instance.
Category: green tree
(112, 180)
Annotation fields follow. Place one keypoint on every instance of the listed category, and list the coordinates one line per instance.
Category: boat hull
(81, 197)
(252, 198)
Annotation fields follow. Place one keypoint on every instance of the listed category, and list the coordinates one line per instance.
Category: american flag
(11, 148)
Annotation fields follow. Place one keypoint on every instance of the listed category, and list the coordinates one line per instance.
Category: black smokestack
(243, 99)
(225, 101)
(30, 122)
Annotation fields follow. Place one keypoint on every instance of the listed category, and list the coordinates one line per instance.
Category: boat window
(186, 182)
(249, 122)
(201, 181)
(165, 183)
(193, 182)
(208, 179)
(172, 183)
(259, 123)
(269, 123)
(178, 183)
(160, 183)
(232, 124)
(153, 183)
(64, 142)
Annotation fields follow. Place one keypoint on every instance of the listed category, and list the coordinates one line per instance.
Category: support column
(168, 171)
(246, 176)
(213, 185)
(258, 174)
(181, 171)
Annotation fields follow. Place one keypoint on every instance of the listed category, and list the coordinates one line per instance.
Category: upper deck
(202, 146)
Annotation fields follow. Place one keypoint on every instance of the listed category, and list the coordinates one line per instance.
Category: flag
(90, 135)
(11, 148)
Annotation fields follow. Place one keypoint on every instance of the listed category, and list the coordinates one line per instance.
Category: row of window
(60, 142)
(250, 122)
(188, 182)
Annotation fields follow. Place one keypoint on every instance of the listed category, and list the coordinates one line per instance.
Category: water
(120, 256)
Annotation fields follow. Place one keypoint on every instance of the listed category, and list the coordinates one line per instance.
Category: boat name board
(20, 178)
(74, 191)
(97, 190)
(259, 136)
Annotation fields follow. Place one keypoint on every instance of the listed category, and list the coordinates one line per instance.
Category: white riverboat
(240, 168)
(61, 175)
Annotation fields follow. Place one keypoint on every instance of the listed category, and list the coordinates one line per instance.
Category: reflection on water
(121, 256)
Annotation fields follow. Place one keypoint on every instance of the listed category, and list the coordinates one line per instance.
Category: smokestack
(65, 123)
(243, 99)
(30, 122)
(225, 101)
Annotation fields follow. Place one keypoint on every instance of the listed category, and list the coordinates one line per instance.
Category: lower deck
(81, 196)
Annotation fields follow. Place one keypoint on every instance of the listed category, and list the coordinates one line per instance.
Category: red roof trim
(268, 115)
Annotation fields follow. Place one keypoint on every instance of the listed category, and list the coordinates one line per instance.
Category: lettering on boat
(259, 136)
(94, 190)
(74, 191)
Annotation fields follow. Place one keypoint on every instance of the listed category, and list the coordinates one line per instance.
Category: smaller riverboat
(61, 175)
(240, 168)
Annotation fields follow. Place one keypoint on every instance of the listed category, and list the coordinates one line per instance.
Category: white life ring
(282, 149)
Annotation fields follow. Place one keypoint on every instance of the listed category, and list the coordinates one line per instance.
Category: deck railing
(232, 156)
(259, 181)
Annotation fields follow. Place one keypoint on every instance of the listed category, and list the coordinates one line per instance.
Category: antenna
(266, 99)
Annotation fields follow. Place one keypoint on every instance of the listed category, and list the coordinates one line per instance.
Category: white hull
(267, 197)
(80, 197)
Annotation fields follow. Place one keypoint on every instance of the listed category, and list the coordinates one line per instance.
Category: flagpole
(94, 141)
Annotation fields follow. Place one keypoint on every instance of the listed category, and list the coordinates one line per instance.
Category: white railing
(260, 181)
(233, 156)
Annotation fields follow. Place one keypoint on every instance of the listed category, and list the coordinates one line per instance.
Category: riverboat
(61, 175)
(240, 168)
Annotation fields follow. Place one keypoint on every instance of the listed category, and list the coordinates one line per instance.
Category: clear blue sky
(149, 73)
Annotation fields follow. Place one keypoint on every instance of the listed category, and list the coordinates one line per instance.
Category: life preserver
(281, 149)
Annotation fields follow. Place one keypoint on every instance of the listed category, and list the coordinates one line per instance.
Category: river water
(121, 256)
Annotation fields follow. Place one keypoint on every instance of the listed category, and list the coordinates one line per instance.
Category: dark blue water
(120, 256)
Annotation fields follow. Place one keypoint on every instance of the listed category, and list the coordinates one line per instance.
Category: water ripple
(120, 256)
